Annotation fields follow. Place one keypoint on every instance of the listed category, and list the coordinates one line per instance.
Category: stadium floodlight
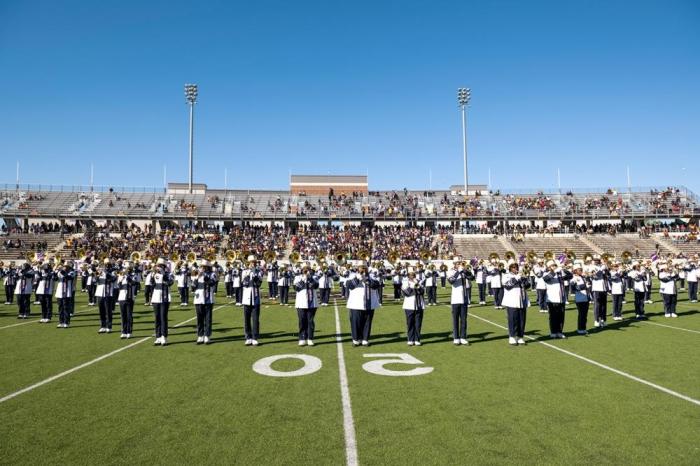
(464, 95)
(191, 98)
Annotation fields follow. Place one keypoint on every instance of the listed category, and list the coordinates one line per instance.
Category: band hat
(411, 270)
(512, 262)
(596, 257)
(160, 261)
(251, 258)
(578, 267)
(551, 263)
(106, 261)
(540, 260)
(456, 259)
(206, 263)
(662, 266)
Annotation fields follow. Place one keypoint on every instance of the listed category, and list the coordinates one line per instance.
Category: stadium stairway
(557, 244)
(677, 247)
(480, 246)
(52, 241)
(629, 242)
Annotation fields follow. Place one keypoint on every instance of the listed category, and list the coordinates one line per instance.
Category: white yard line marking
(348, 421)
(89, 363)
(670, 326)
(602, 366)
(84, 308)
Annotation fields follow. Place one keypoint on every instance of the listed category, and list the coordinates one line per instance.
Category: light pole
(464, 95)
(191, 97)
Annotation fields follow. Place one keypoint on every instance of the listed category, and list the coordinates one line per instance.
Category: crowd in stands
(408, 243)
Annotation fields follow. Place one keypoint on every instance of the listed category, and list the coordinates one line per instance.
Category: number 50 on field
(313, 364)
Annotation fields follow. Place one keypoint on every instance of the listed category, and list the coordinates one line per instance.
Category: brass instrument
(31, 256)
(510, 255)
(191, 257)
(135, 256)
(364, 255)
(588, 257)
(626, 256)
(294, 257)
(320, 257)
(425, 255)
(340, 258)
(494, 256)
(570, 256)
(606, 257)
(230, 255)
(531, 256)
(175, 257)
(548, 255)
(393, 256)
(211, 257)
(270, 256)
(81, 253)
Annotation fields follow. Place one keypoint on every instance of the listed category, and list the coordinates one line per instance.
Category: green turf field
(487, 403)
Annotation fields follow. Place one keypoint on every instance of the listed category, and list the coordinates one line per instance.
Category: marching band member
(148, 284)
(650, 274)
(272, 279)
(516, 302)
(91, 284)
(458, 277)
(413, 306)
(363, 299)
(481, 282)
(306, 303)
(430, 284)
(228, 279)
(539, 270)
(443, 276)
(251, 279)
(44, 291)
(396, 282)
(669, 290)
(496, 274)
(236, 283)
(104, 285)
(692, 271)
(617, 289)
(9, 275)
(599, 287)
(127, 289)
(554, 278)
(203, 286)
(83, 278)
(639, 285)
(65, 290)
(325, 282)
(161, 280)
(23, 290)
(183, 284)
(283, 282)
(582, 297)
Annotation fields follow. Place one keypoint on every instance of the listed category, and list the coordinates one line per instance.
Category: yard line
(89, 363)
(348, 422)
(602, 366)
(671, 326)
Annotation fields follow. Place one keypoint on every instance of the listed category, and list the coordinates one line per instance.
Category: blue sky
(352, 87)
